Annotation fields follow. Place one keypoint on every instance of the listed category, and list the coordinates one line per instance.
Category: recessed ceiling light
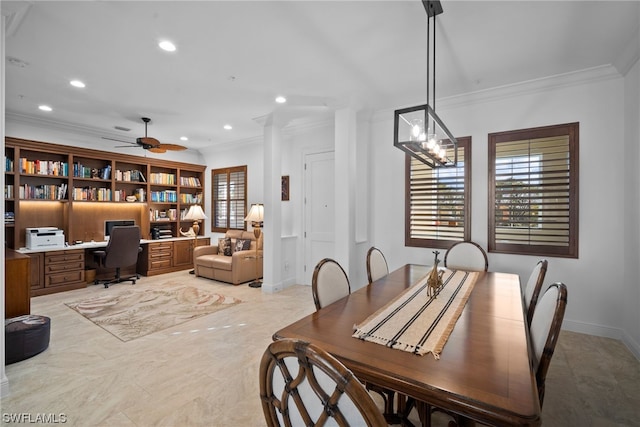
(281, 99)
(184, 138)
(167, 45)
(45, 108)
(77, 83)
(228, 127)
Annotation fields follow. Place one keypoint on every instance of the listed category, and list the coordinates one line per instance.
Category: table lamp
(256, 216)
(195, 214)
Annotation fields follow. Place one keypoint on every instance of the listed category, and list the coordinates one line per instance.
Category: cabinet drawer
(65, 278)
(160, 263)
(62, 257)
(160, 247)
(160, 255)
(68, 266)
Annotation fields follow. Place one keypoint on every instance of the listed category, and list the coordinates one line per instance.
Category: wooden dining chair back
(376, 264)
(329, 283)
(301, 384)
(533, 287)
(467, 256)
(544, 330)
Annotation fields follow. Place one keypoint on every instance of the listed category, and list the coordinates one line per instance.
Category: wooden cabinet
(37, 270)
(183, 251)
(62, 271)
(166, 256)
(17, 296)
(78, 189)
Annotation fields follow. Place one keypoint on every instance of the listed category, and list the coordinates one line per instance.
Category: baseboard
(603, 331)
(632, 345)
(277, 287)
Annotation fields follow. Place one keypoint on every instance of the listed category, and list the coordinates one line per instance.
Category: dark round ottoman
(25, 336)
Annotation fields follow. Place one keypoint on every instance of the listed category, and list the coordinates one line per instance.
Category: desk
(60, 269)
(483, 372)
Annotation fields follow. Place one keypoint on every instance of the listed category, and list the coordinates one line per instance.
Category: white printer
(44, 237)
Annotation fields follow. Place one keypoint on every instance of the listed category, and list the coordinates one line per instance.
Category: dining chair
(533, 287)
(376, 264)
(329, 283)
(301, 384)
(466, 255)
(545, 329)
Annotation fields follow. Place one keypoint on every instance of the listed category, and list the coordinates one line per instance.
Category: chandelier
(418, 130)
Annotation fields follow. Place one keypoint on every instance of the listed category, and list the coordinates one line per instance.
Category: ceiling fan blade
(127, 146)
(173, 147)
(148, 141)
(157, 150)
(118, 140)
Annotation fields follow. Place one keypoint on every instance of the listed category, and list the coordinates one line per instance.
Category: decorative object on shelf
(195, 214)
(149, 143)
(418, 130)
(434, 281)
(131, 199)
(256, 216)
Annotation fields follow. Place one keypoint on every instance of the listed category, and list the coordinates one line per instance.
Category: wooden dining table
(484, 371)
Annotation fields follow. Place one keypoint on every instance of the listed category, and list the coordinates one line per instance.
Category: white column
(4, 381)
(272, 280)
(345, 183)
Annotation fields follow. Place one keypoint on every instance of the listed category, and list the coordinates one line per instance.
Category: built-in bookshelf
(77, 189)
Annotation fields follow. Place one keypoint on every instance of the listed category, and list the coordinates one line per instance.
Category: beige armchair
(237, 267)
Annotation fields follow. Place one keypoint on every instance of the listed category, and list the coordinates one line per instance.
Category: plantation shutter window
(438, 201)
(229, 198)
(533, 179)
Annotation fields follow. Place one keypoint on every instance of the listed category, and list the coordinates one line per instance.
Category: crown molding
(574, 78)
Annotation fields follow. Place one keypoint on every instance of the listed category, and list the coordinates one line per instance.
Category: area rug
(134, 313)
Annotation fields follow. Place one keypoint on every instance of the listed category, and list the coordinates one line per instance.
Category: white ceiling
(234, 57)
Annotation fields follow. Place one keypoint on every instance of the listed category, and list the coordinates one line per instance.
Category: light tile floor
(205, 372)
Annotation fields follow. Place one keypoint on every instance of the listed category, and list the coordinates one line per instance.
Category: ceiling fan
(149, 143)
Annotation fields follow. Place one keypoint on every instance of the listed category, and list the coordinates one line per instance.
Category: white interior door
(319, 210)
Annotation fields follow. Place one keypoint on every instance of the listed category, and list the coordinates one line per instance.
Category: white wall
(595, 99)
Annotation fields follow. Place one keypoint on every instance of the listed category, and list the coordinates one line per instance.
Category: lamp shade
(256, 213)
(195, 213)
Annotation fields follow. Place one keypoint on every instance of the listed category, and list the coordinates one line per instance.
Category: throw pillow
(242, 244)
(224, 246)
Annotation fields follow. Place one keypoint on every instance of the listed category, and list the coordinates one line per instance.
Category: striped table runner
(418, 323)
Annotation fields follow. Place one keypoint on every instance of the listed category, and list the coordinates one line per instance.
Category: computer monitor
(109, 224)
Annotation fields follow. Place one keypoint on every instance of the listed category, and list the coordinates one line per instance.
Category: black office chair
(121, 251)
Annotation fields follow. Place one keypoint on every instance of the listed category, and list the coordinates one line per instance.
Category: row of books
(191, 198)
(8, 164)
(8, 191)
(81, 171)
(92, 194)
(190, 181)
(165, 196)
(162, 178)
(43, 192)
(44, 167)
(134, 175)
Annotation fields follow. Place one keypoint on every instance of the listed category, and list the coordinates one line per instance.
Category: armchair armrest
(204, 250)
(245, 257)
